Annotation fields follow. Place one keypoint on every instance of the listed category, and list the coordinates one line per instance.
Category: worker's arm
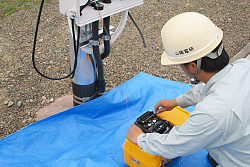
(191, 97)
(166, 104)
(195, 134)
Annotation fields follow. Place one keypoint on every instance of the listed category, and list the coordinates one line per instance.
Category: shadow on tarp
(92, 134)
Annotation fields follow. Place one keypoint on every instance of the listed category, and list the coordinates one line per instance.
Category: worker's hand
(133, 132)
(166, 104)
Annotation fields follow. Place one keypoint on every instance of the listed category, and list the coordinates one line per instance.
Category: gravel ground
(23, 92)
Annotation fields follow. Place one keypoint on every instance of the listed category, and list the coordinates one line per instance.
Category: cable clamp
(106, 37)
(94, 42)
(71, 14)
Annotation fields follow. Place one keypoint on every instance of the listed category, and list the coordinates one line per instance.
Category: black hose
(144, 43)
(96, 51)
(106, 42)
(34, 47)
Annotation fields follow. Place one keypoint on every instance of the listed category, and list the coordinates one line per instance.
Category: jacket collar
(215, 79)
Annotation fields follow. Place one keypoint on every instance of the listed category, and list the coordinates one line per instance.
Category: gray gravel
(23, 92)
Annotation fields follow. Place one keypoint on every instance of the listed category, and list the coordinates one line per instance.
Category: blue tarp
(92, 134)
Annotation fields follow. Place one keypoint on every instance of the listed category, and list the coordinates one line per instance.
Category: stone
(10, 103)
(19, 104)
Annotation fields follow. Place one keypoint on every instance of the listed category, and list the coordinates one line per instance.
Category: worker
(220, 121)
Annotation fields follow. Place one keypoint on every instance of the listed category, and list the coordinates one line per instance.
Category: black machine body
(149, 122)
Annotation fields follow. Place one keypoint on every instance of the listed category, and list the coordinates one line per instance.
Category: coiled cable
(76, 48)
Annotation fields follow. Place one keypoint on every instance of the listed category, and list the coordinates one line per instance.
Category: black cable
(83, 6)
(144, 43)
(76, 48)
(34, 47)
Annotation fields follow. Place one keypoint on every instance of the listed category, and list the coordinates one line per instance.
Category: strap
(193, 80)
(214, 55)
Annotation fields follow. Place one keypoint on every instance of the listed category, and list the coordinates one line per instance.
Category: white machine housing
(88, 80)
(71, 8)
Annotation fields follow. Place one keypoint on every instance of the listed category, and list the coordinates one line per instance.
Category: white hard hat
(188, 37)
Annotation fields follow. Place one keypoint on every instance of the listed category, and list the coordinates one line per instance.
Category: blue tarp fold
(92, 134)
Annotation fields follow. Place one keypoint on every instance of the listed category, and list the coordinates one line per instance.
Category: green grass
(7, 7)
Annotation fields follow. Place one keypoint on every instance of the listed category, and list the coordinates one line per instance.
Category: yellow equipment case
(133, 155)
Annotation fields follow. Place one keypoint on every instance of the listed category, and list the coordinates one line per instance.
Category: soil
(23, 92)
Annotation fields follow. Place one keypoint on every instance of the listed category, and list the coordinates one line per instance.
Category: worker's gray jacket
(220, 121)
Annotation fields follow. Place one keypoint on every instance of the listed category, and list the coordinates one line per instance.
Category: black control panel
(149, 122)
